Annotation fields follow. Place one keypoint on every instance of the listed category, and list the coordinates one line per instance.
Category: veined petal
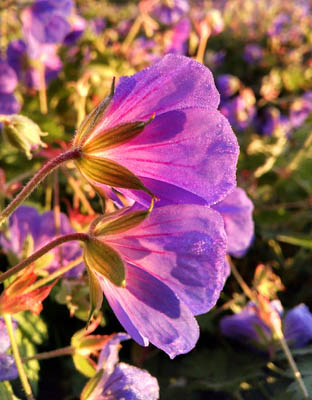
(154, 310)
(194, 150)
(174, 82)
(182, 245)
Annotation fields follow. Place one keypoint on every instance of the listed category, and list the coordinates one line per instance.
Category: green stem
(44, 249)
(51, 354)
(55, 275)
(17, 357)
(293, 366)
(39, 176)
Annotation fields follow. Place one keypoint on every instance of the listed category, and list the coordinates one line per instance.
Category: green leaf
(297, 240)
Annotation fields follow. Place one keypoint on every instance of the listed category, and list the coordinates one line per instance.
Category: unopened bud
(22, 133)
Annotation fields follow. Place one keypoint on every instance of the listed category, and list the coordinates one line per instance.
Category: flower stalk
(17, 357)
(44, 249)
(38, 177)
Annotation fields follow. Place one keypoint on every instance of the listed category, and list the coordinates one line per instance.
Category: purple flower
(300, 109)
(8, 370)
(8, 78)
(228, 85)
(78, 25)
(170, 14)
(120, 380)
(271, 122)
(253, 53)
(248, 328)
(46, 21)
(297, 326)
(240, 110)
(18, 52)
(25, 222)
(179, 37)
(171, 155)
(9, 104)
(174, 269)
(97, 25)
(236, 210)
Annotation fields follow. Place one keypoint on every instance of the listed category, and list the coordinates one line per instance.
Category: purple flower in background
(18, 52)
(247, 327)
(271, 122)
(240, 110)
(78, 25)
(253, 53)
(236, 210)
(173, 154)
(98, 25)
(227, 85)
(300, 109)
(8, 78)
(297, 326)
(179, 36)
(170, 14)
(26, 223)
(8, 370)
(9, 104)
(46, 21)
(174, 269)
(120, 380)
(8, 82)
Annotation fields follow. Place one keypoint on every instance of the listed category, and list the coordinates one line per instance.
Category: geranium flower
(28, 231)
(248, 328)
(157, 270)
(160, 134)
(118, 380)
(8, 368)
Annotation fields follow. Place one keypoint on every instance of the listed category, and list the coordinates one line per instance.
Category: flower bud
(22, 133)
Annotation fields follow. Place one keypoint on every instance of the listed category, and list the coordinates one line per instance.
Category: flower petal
(185, 247)
(174, 82)
(154, 310)
(297, 326)
(128, 382)
(8, 370)
(236, 210)
(194, 150)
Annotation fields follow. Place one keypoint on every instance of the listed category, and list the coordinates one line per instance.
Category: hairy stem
(39, 176)
(51, 354)
(44, 249)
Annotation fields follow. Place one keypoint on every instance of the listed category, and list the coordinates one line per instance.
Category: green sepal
(90, 121)
(83, 365)
(96, 294)
(120, 222)
(107, 172)
(103, 259)
(91, 385)
(114, 137)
